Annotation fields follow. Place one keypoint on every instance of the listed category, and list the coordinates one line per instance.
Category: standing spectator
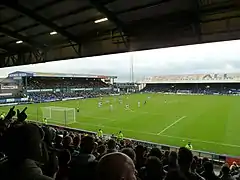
(80, 166)
(130, 153)
(172, 162)
(208, 173)
(156, 152)
(111, 144)
(153, 169)
(116, 166)
(185, 158)
(64, 160)
(225, 171)
(22, 146)
(140, 156)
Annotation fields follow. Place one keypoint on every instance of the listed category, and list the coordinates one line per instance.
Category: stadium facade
(21, 86)
(226, 83)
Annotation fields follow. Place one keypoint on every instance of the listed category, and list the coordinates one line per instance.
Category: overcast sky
(218, 57)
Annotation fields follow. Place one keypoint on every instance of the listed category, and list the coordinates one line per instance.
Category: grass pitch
(210, 123)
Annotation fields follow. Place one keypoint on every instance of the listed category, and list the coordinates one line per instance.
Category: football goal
(56, 114)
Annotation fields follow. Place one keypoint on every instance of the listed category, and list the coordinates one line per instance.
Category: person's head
(208, 167)
(87, 144)
(225, 170)
(156, 152)
(172, 158)
(100, 130)
(58, 139)
(111, 144)
(130, 153)
(185, 158)
(67, 141)
(140, 151)
(101, 149)
(120, 132)
(154, 168)
(23, 142)
(116, 166)
(77, 141)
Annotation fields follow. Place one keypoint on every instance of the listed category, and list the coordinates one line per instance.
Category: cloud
(201, 58)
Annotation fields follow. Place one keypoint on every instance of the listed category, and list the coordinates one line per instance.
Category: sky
(220, 57)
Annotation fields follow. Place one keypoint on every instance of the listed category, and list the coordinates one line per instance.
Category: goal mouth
(57, 114)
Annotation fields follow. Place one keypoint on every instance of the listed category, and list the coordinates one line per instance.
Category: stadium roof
(61, 75)
(39, 31)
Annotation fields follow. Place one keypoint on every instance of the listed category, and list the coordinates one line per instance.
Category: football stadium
(119, 89)
(172, 110)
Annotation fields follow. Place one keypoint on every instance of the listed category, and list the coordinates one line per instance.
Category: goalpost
(61, 115)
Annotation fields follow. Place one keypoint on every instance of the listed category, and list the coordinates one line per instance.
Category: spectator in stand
(22, 146)
(225, 173)
(64, 160)
(208, 173)
(140, 156)
(130, 153)
(116, 166)
(185, 159)
(153, 169)
(67, 142)
(172, 162)
(77, 142)
(58, 142)
(156, 152)
(112, 146)
(166, 158)
(101, 150)
(80, 166)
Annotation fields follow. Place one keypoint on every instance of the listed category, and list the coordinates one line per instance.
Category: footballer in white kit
(100, 104)
(139, 104)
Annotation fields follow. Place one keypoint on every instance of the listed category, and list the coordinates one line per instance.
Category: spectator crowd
(33, 152)
(41, 82)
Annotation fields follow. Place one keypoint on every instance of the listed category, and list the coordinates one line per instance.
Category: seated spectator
(111, 144)
(22, 146)
(153, 169)
(130, 153)
(116, 166)
(225, 173)
(208, 173)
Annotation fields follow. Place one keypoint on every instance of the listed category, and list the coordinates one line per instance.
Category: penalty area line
(175, 122)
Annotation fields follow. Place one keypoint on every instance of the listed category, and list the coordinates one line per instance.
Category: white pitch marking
(163, 135)
(175, 122)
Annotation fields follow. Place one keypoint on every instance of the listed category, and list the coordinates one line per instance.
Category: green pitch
(210, 123)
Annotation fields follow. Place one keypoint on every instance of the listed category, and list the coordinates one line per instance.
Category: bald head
(116, 166)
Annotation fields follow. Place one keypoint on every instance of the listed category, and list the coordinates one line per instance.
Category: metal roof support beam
(111, 17)
(19, 37)
(28, 12)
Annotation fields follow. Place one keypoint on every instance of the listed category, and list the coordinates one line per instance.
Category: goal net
(61, 115)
